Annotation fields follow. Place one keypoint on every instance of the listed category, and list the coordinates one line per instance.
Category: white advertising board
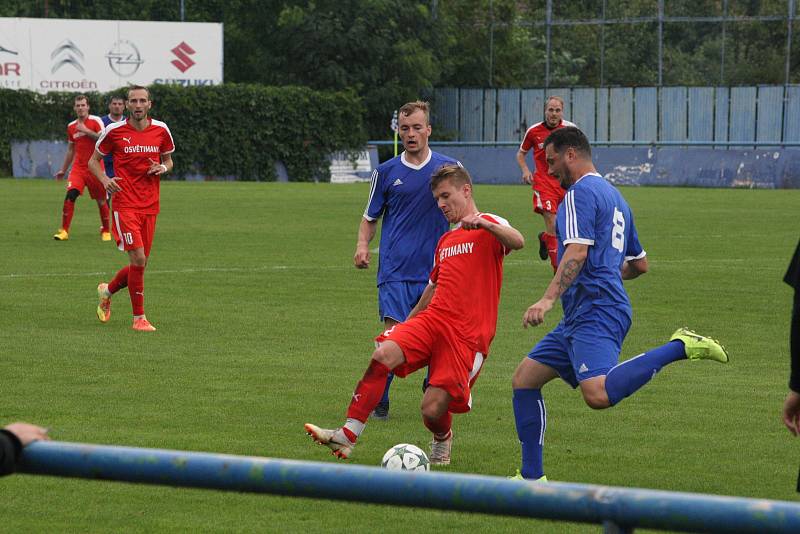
(102, 55)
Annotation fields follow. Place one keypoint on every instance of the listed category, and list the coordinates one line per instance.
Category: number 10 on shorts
(128, 237)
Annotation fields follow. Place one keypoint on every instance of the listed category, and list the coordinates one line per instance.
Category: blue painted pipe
(624, 507)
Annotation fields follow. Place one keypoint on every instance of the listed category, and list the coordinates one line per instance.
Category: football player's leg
(66, 214)
(368, 392)
(546, 361)
(438, 419)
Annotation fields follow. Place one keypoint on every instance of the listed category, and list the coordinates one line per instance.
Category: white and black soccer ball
(406, 457)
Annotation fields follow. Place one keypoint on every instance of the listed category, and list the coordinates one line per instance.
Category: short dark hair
(569, 137)
(456, 173)
(136, 88)
(81, 97)
(116, 97)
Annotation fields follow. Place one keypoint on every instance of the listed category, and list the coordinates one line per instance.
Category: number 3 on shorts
(618, 233)
(128, 238)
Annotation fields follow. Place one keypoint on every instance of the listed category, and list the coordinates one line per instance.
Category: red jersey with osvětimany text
(134, 152)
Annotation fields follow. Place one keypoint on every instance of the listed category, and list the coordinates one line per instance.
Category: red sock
(369, 391)
(104, 217)
(552, 249)
(441, 426)
(136, 288)
(66, 215)
(119, 281)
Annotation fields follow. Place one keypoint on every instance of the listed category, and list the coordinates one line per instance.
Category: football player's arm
(508, 236)
(68, 157)
(523, 166)
(366, 231)
(81, 127)
(424, 300)
(162, 167)
(568, 270)
(98, 169)
(633, 268)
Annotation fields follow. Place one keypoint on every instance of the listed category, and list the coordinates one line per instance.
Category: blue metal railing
(618, 509)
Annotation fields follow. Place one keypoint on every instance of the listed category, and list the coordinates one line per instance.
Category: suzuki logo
(124, 58)
(182, 51)
(67, 53)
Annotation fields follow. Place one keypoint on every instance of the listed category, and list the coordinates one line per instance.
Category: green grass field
(264, 324)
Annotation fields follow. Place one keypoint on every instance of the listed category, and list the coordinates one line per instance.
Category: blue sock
(531, 419)
(625, 378)
(385, 398)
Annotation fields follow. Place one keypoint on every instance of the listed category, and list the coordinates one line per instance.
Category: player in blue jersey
(598, 247)
(116, 106)
(412, 223)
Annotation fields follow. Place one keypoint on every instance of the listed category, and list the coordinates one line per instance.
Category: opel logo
(124, 58)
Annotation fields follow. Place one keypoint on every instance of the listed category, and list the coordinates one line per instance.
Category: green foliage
(391, 51)
(233, 129)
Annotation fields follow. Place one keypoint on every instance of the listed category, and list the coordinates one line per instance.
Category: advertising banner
(101, 55)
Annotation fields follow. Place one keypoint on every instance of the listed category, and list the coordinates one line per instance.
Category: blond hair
(457, 174)
(410, 107)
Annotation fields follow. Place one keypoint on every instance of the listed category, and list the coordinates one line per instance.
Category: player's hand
(82, 128)
(27, 433)
(361, 257)
(157, 169)
(474, 222)
(59, 175)
(111, 184)
(791, 412)
(534, 315)
(527, 177)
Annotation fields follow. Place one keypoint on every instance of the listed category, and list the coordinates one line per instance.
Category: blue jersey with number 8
(594, 213)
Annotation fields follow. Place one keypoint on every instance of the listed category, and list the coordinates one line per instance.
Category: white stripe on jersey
(372, 187)
(104, 133)
(572, 222)
(164, 125)
(98, 120)
(121, 245)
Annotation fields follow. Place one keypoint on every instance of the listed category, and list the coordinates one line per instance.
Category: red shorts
(547, 194)
(454, 365)
(133, 230)
(79, 178)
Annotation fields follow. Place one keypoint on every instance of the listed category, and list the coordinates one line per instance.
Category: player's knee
(72, 195)
(597, 398)
(519, 380)
(387, 357)
(433, 409)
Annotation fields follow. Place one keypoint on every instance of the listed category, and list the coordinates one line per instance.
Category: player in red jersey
(451, 327)
(142, 149)
(81, 136)
(547, 192)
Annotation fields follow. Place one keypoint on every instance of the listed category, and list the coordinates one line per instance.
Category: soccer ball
(406, 457)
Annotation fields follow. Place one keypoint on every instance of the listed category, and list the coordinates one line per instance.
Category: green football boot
(699, 347)
(518, 476)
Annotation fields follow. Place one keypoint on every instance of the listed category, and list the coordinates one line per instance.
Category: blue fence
(618, 509)
(758, 116)
(667, 165)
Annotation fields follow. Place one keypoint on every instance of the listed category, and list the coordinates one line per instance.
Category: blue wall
(665, 166)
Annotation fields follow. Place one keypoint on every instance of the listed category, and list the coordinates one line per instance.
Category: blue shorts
(585, 347)
(396, 299)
